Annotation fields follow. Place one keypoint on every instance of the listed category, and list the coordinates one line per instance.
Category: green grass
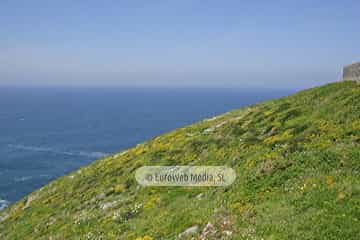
(297, 161)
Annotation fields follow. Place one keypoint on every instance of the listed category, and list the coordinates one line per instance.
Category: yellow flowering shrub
(144, 238)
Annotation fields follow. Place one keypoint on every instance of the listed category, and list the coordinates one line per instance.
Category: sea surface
(48, 132)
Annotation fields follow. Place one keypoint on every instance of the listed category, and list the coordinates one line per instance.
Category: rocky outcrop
(188, 232)
(352, 72)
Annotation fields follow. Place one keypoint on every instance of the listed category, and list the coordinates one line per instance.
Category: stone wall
(352, 72)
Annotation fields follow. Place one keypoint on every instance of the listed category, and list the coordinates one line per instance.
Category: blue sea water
(48, 132)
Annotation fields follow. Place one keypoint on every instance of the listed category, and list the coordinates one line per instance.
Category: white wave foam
(3, 204)
(57, 151)
(26, 178)
(22, 179)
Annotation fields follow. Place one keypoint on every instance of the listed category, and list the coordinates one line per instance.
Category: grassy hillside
(297, 161)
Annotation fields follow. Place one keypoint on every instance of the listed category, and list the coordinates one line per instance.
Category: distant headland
(352, 72)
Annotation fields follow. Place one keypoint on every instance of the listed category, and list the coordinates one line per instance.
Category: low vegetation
(297, 161)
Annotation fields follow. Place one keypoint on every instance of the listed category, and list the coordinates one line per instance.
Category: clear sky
(275, 44)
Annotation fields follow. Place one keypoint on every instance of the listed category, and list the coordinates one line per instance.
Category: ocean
(48, 132)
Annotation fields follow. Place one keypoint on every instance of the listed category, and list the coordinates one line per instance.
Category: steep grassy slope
(298, 177)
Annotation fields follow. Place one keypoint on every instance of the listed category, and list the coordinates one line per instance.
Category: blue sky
(274, 44)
